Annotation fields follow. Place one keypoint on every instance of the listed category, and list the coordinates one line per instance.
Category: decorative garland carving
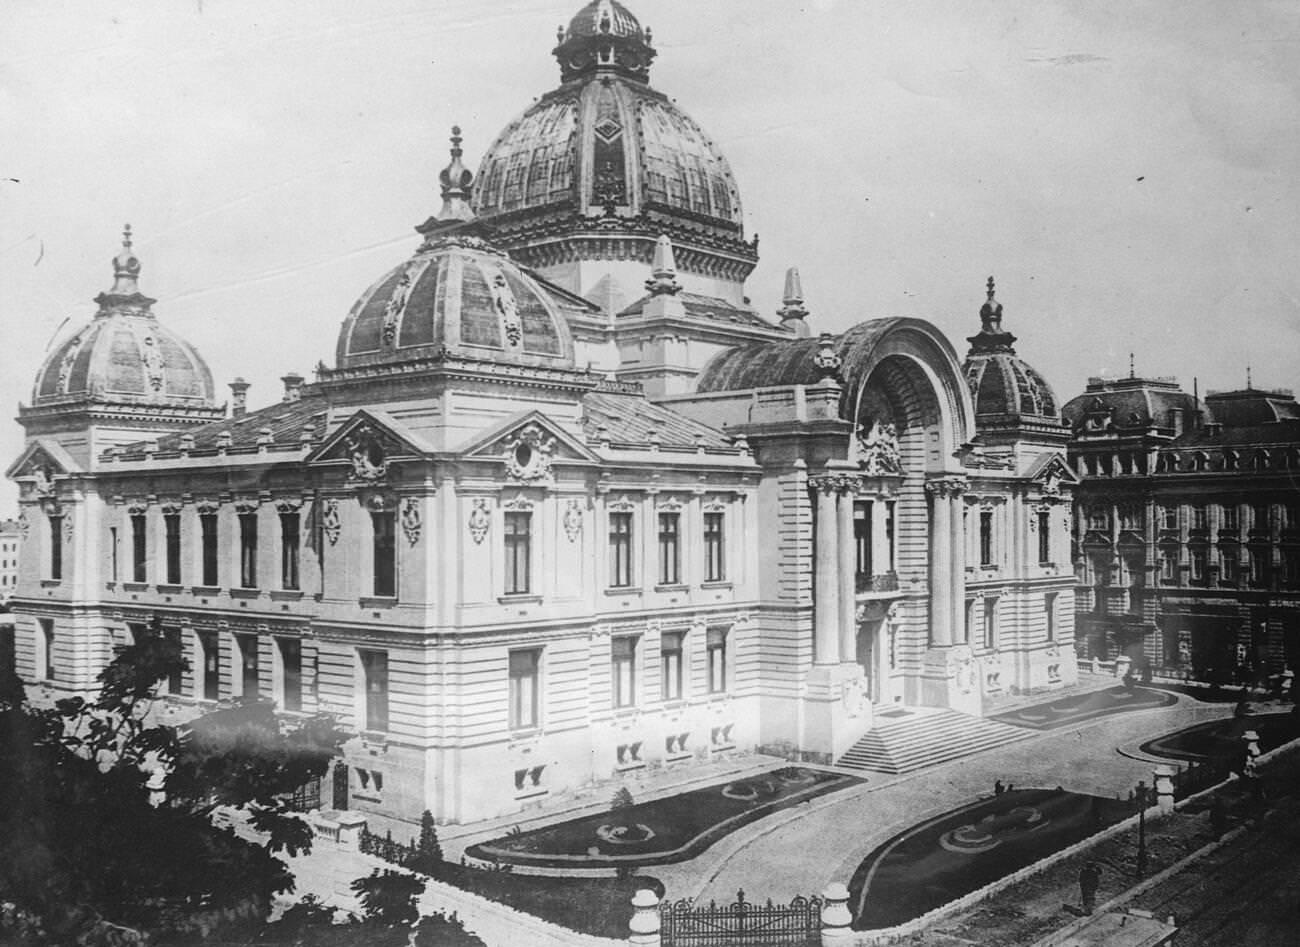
(67, 529)
(621, 505)
(528, 454)
(207, 507)
(65, 366)
(329, 520)
(170, 506)
(396, 304)
(520, 502)
(945, 487)
(572, 520)
(369, 462)
(247, 504)
(137, 508)
(411, 521)
(479, 520)
(43, 480)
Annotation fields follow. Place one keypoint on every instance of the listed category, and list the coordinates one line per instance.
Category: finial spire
(126, 272)
(990, 285)
(663, 269)
(1130, 366)
(991, 337)
(457, 182)
(1248, 376)
(792, 311)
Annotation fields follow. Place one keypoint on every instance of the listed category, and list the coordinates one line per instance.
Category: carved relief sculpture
(878, 452)
(507, 307)
(329, 520)
(65, 366)
(479, 520)
(23, 524)
(396, 306)
(369, 463)
(152, 357)
(411, 520)
(528, 454)
(573, 520)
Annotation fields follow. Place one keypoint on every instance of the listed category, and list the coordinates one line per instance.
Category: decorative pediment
(40, 463)
(369, 442)
(528, 446)
(1050, 473)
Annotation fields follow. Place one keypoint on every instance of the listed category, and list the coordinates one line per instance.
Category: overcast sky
(1127, 170)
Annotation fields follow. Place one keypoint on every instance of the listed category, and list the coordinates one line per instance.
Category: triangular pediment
(368, 440)
(43, 460)
(528, 444)
(1051, 472)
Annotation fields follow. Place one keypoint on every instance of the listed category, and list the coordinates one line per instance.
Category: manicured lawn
(664, 830)
(1077, 708)
(940, 860)
(1221, 739)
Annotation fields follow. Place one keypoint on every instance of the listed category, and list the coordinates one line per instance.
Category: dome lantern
(1004, 387)
(604, 35)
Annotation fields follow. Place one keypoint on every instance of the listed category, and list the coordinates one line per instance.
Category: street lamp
(1142, 828)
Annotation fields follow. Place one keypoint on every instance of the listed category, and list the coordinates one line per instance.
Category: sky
(1127, 170)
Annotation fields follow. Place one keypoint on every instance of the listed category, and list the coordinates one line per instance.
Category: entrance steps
(905, 741)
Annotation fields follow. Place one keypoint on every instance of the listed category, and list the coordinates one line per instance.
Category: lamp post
(1142, 828)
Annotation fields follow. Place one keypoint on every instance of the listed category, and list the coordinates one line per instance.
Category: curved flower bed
(1078, 708)
(670, 829)
(1222, 739)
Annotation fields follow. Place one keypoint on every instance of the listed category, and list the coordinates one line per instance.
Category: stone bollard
(1164, 782)
(644, 926)
(1096, 665)
(350, 825)
(836, 916)
(1122, 665)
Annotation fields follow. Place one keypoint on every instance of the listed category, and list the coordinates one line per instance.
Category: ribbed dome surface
(1003, 384)
(128, 357)
(460, 296)
(607, 141)
(604, 16)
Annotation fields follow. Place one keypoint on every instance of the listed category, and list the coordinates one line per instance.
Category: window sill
(675, 587)
(286, 595)
(246, 593)
(628, 766)
(626, 712)
(366, 797)
(51, 583)
(133, 586)
(525, 734)
(373, 601)
(171, 589)
(519, 598)
(679, 757)
(205, 590)
(532, 792)
(716, 584)
(623, 590)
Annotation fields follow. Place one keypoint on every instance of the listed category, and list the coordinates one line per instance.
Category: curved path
(801, 850)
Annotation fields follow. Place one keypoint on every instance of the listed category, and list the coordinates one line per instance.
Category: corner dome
(124, 354)
(1003, 385)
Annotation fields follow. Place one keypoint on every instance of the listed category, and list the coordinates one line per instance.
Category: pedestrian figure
(1089, 881)
(998, 788)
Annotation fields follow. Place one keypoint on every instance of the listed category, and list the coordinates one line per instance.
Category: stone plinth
(836, 711)
(949, 678)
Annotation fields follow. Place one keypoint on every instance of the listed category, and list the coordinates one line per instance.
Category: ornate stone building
(1188, 527)
(524, 536)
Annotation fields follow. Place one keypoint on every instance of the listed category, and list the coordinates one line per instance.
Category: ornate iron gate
(741, 924)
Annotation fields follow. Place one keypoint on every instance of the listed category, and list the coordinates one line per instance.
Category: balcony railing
(886, 582)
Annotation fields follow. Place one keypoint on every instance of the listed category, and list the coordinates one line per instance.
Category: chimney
(292, 387)
(238, 398)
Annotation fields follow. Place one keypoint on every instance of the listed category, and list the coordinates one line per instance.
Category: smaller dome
(124, 354)
(604, 17)
(1002, 384)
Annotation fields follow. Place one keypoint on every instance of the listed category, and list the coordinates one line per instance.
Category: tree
(106, 818)
(428, 850)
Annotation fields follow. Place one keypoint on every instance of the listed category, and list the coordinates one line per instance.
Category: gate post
(836, 916)
(644, 925)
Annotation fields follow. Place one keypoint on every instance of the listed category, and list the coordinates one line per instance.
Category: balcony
(876, 584)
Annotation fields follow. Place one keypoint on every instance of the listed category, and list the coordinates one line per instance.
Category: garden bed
(1077, 708)
(1222, 739)
(670, 829)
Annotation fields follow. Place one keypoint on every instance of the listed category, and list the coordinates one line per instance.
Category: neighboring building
(511, 576)
(1188, 527)
(9, 538)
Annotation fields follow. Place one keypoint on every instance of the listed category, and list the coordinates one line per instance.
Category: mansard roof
(709, 308)
(631, 419)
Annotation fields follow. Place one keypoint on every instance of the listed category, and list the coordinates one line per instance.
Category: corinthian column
(827, 614)
(848, 572)
(957, 575)
(941, 560)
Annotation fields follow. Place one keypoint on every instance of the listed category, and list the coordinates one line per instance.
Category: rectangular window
(139, 548)
(889, 531)
(291, 678)
(1290, 569)
(1229, 567)
(112, 552)
(1259, 517)
(990, 623)
(1098, 518)
(670, 664)
(518, 543)
(176, 676)
(385, 554)
(1231, 518)
(248, 550)
(714, 548)
(670, 552)
(208, 529)
(248, 683)
(717, 660)
(209, 644)
(1044, 538)
(1131, 517)
(524, 667)
(623, 670)
(374, 666)
(1289, 516)
(986, 537)
(1049, 611)
(290, 541)
(1169, 566)
(1200, 516)
(56, 547)
(172, 535)
(862, 536)
(620, 550)
(1199, 559)
(968, 626)
(45, 669)
(1169, 517)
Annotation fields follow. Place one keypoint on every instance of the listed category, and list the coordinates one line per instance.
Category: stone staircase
(923, 737)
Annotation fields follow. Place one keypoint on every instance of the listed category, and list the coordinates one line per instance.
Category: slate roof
(629, 419)
(1276, 432)
(285, 419)
(710, 308)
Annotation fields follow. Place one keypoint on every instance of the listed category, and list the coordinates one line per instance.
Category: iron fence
(305, 798)
(741, 924)
(383, 846)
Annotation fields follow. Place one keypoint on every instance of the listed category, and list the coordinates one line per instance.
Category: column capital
(946, 486)
(836, 484)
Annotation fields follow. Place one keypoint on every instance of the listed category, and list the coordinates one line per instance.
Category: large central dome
(599, 167)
